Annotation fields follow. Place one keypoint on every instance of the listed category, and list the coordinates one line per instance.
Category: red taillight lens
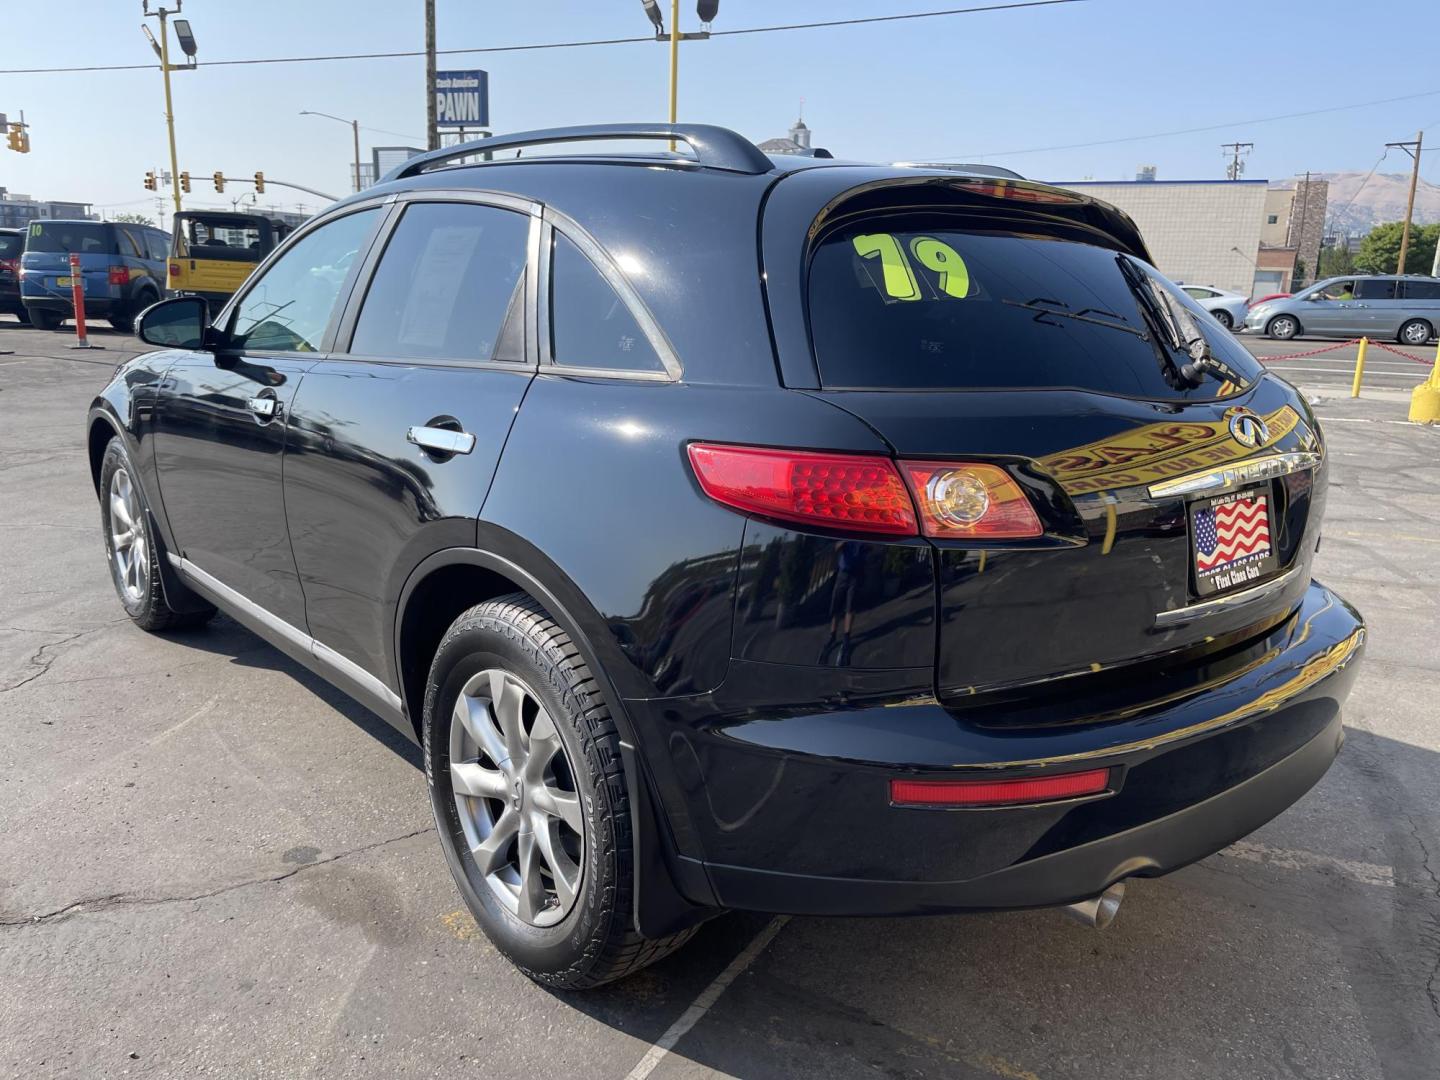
(844, 491)
(119, 275)
(174, 270)
(964, 501)
(9, 264)
(998, 792)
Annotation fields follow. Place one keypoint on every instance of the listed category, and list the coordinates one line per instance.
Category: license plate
(64, 282)
(1231, 540)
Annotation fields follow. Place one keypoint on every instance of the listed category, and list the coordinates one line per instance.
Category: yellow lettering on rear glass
(900, 281)
(946, 262)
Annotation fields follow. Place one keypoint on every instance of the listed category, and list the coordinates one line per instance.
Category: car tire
(23, 316)
(45, 320)
(1224, 319)
(508, 682)
(131, 549)
(1283, 327)
(122, 324)
(1415, 332)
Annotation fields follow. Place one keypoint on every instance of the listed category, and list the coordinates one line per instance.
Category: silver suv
(1406, 308)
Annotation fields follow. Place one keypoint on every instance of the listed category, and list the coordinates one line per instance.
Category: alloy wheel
(129, 546)
(1416, 333)
(516, 798)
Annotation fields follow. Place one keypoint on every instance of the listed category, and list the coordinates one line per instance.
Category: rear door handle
(441, 440)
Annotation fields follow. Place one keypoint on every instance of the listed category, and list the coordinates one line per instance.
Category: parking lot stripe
(662, 1046)
(1363, 872)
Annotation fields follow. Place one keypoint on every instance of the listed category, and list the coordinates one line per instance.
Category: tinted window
(449, 284)
(1198, 293)
(159, 243)
(590, 325)
(936, 302)
(130, 244)
(81, 238)
(11, 245)
(1422, 290)
(1375, 289)
(289, 308)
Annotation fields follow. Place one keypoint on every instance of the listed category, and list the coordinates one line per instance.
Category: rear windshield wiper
(1089, 315)
(1164, 331)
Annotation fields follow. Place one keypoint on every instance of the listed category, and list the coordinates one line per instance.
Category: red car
(1272, 296)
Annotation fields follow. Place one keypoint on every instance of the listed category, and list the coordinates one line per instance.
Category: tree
(1337, 260)
(134, 219)
(1380, 250)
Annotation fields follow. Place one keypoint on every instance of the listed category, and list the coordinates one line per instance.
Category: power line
(555, 44)
(1340, 214)
(971, 156)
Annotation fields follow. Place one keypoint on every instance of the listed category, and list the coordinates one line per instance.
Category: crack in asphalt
(1432, 984)
(92, 905)
(39, 660)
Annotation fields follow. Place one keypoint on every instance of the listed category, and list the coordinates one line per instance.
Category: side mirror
(182, 322)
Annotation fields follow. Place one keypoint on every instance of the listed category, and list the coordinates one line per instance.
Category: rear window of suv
(80, 238)
(950, 302)
(11, 245)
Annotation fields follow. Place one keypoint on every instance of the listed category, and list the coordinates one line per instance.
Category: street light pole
(674, 61)
(169, 108)
(432, 130)
(354, 129)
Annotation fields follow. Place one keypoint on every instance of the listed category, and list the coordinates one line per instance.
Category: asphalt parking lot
(212, 864)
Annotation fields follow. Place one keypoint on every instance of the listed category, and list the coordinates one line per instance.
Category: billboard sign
(462, 99)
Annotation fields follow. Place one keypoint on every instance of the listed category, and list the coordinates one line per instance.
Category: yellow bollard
(1425, 398)
(1359, 366)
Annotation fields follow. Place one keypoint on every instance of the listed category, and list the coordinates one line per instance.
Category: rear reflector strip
(1039, 789)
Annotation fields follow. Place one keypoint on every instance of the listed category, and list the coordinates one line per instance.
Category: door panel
(366, 505)
(441, 338)
(219, 463)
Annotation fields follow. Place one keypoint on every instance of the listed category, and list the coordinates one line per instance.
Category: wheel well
(434, 604)
(100, 435)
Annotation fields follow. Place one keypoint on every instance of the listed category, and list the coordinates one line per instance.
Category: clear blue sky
(967, 86)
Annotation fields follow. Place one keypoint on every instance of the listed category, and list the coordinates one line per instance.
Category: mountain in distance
(1356, 205)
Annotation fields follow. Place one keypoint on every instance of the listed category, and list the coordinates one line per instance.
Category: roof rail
(716, 147)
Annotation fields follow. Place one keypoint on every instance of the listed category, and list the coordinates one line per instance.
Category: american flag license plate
(1232, 540)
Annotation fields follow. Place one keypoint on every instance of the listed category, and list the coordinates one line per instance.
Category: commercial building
(1201, 232)
(17, 211)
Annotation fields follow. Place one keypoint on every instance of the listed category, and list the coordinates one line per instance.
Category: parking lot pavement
(212, 864)
(1329, 366)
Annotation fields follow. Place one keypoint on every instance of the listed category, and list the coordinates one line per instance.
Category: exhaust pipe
(1099, 911)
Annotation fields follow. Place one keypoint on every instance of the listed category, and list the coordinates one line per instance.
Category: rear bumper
(94, 305)
(788, 810)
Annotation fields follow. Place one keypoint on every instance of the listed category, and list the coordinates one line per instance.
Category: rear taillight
(119, 275)
(9, 264)
(1038, 789)
(968, 501)
(844, 491)
(174, 270)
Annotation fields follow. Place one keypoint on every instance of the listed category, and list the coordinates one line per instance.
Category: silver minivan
(1406, 309)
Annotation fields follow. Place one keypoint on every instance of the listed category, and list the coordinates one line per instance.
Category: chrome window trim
(1180, 616)
(1230, 477)
(282, 629)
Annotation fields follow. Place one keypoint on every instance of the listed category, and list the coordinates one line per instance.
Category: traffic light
(219, 180)
(185, 182)
(259, 183)
(707, 10)
(16, 138)
(150, 184)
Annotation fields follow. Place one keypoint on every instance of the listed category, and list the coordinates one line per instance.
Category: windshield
(220, 238)
(944, 302)
(78, 237)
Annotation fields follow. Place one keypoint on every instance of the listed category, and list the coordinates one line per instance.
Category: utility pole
(1312, 272)
(1413, 149)
(432, 130)
(1236, 168)
(162, 49)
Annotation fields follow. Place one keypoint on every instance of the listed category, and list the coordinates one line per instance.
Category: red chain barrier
(1402, 352)
(1312, 352)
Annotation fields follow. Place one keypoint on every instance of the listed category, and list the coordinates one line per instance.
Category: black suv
(737, 532)
(12, 245)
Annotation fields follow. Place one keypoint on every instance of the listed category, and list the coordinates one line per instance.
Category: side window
(129, 245)
(1196, 293)
(159, 245)
(288, 309)
(590, 326)
(450, 286)
(1422, 290)
(1375, 289)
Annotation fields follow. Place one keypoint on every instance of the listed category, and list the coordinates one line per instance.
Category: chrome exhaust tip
(1099, 911)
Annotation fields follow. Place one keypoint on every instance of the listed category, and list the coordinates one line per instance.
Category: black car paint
(744, 723)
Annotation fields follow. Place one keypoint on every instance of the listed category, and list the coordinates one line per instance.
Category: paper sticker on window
(898, 280)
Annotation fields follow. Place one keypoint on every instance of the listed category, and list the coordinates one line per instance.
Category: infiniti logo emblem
(1249, 429)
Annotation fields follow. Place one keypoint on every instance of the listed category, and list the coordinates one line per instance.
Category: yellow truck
(212, 251)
